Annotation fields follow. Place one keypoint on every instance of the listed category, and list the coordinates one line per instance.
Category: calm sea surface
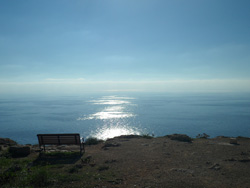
(108, 115)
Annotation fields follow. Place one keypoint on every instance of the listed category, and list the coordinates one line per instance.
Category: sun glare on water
(115, 116)
(110, 132)
(114, 109)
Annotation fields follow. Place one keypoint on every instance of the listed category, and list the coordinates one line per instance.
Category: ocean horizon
(106, 115)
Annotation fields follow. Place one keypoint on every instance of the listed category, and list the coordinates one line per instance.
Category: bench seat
(60, 139)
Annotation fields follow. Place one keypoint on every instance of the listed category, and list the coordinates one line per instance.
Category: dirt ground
(137, 161)
(162, 162)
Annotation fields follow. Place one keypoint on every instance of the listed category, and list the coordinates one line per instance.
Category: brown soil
(135, 161)
(161, 162)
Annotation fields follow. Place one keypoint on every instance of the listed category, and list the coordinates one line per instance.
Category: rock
(243, 153)
(244, 160)
(110, 161)
(7, 141)
(19, 151)
(215, 167)
(87, 159)
(233, 141)
(116, 181)
(182, 170)
(221, 137)
(231, 159)
(111, 144)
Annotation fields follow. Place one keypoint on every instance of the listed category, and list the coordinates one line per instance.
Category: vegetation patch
(40, 177)
(93, 141)
(104, 167)
(75, 169)
(17, 173)
(61, 154)
(147, 136)
(7, 141)
(55, 158)
(180, 137)
(203, 135)
(54, 169)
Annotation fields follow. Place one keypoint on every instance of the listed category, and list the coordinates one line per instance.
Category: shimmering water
(116, 115)
(108, 115)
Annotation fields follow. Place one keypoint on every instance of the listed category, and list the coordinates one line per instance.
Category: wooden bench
(60, 139)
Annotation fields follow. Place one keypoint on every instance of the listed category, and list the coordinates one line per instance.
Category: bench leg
(82, 148)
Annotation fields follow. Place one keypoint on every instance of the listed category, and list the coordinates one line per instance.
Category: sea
(107, 115)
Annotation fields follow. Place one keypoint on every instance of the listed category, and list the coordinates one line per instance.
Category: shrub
(93, 141)
(104, 167)
(147, 136)
(203, 135)
(6, 154)
(180, 137)
(7, 141)
(73, 169)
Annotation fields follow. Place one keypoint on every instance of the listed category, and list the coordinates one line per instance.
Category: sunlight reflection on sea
(115, 117)
(113, 112)
(110, 131)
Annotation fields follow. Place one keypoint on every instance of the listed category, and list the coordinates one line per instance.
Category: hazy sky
(124, 45)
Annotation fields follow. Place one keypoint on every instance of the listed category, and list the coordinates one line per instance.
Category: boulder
(19, 151)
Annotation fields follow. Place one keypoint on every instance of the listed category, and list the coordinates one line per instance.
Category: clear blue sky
(124, 45)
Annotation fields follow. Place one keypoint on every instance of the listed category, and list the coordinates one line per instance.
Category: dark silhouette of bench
(60, 139)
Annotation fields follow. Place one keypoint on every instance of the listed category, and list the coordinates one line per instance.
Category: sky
(63, 46)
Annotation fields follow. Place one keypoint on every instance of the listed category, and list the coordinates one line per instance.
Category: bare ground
(161, 162)
(135, 161)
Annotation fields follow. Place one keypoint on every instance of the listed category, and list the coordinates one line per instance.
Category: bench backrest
(59, 139)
